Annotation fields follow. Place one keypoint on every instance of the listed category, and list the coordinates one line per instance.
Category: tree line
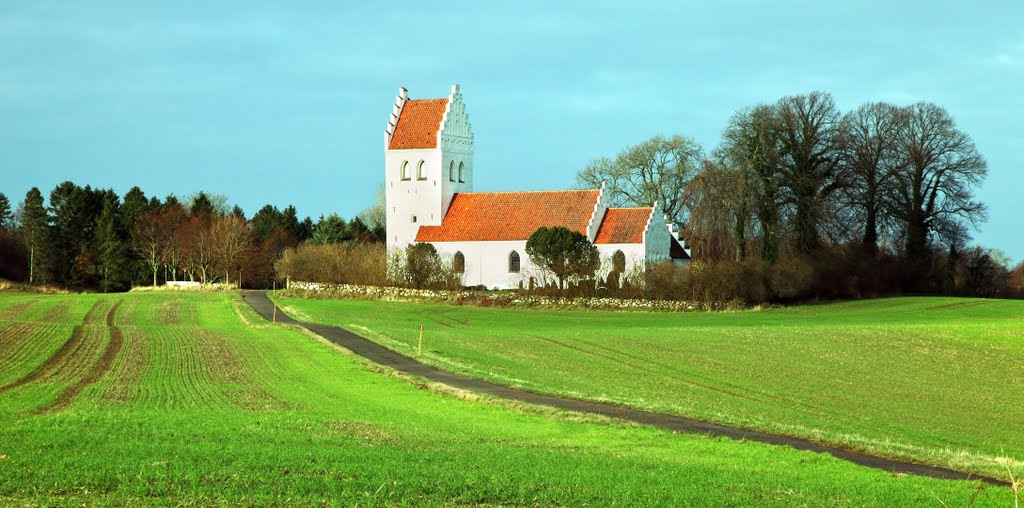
(87, 238)
(797, 200)
(877, 200)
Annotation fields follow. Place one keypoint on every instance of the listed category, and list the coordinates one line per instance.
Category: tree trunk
(806, 225)
(741, 239)
(917, 239)
(870, 242)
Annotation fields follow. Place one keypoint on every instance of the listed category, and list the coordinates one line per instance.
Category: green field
(932, 380)
(164, 398)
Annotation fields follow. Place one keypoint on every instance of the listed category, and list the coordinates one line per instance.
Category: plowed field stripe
(98, 370)
(53, 361)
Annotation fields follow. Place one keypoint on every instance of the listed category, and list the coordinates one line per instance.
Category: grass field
(932, 380)
(171, 399)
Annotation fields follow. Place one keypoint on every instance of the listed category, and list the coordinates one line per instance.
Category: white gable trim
(396, 113)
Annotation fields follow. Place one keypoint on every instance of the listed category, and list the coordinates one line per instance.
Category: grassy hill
(169, 399)
(933, 380)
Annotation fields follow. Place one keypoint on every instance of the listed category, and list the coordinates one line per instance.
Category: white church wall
(487, 263)
(633, 252)
(427, 200)
(657, 242)
(412, 198)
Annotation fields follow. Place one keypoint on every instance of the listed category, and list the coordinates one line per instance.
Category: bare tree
(195, 244)
(230, 236)
(870, 151)
(752, 148)
(811, 163)
(656, 170)
(149, 238)
(932, 193)
(720, 201)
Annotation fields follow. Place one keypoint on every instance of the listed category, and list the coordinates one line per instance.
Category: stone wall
(493, 299)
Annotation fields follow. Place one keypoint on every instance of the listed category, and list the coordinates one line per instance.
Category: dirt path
(376, 353)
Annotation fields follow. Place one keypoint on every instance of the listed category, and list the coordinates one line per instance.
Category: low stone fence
(491, 299)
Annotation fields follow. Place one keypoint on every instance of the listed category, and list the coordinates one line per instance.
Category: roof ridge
(532, 191)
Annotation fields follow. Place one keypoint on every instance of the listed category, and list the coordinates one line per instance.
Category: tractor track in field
(261, 303)
(98, 370)
(57, 358)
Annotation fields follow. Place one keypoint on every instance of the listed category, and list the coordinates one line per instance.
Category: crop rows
(14, 310)
(24, 346)
(195, 413)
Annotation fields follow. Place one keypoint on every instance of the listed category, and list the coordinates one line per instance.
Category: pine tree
(5, 212)
(110, 247)
(35, 232)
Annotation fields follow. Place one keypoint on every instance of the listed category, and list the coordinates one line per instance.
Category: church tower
(428, 158)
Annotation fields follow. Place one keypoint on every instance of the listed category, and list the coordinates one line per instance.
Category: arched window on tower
(513, 262)
(451, 171)
(462, 171)
(459, 263)
(421, 171)
(405, 170)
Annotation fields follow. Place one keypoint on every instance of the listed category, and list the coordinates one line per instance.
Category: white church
(428, 163)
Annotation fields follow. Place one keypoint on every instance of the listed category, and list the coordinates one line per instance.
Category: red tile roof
(504, 216)
(623, 225)
(418, 124)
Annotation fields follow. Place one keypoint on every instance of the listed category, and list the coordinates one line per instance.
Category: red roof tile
(504, 216)
(623, 225)
(418, 124)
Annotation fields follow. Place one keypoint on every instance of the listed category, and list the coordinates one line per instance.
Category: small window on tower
(405, 170)
(462, 172)
(414, 218)
(451, 171)
(421, 171)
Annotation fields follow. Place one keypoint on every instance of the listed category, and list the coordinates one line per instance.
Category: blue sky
(286, 102)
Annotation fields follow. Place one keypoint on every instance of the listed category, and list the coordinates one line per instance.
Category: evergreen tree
(202, 208)
(5, 212)
(330, 229)
(72, 233)
(134, 206)
(35, 233)
(564, 252)
(359, 232)
(266, 221)
(110, 247)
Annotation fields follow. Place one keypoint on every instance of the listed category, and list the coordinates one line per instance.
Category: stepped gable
(623, 225)
(418, 124)
(511, 216)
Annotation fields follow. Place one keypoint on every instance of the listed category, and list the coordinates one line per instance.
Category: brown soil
(98, 370)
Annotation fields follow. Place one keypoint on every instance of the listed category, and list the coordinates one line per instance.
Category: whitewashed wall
(487, 263)
(427, 200)
(408, 198)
